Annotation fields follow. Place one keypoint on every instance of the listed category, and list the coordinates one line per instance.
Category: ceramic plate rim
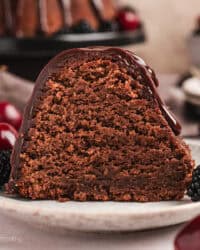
(18, 207)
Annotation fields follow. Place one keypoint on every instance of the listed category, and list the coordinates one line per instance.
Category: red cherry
(128, 20)
(189, 237)
(8, 136)
(9, 114)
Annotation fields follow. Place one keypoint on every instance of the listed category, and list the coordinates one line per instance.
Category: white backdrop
(168, 23)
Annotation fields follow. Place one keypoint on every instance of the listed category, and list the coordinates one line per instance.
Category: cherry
(128, 19)
(189, 237)
(9, 114)
(8, 136)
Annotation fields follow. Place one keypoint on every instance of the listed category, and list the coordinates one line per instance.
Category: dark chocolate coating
(54, 65)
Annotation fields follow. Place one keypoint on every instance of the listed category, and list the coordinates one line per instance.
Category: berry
(128, 20)
(4, 166)
(189, 237)
(82, 27)
(193, 190)
(108, 26)
(9, 114)
(8, 136)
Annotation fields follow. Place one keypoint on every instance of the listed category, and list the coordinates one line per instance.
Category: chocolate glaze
(66, 5)
(153, 83)
(42, 16)
(8, 15)
(130, 58)
(96, 5)
(98, 9)
(56, 63)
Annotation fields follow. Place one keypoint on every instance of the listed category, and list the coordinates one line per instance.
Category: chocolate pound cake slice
(96, 129)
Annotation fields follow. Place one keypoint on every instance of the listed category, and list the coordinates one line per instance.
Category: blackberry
(82, 27)
(193, 190)
(108, 26)
(4, 166)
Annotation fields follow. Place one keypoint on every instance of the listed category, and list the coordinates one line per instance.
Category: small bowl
(191, 89)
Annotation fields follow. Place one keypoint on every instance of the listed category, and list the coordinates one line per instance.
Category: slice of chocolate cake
(96, 129)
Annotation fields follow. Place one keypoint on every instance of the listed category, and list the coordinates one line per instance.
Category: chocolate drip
(66, 5)
(130, 58)
(153, 83)
(42, 16)
(97, 8)
(101, 11)
(8, 16)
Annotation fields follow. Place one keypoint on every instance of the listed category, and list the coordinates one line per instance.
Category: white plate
(103, 216)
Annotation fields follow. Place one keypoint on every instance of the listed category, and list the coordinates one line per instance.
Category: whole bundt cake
(28, 18)
(96, 129)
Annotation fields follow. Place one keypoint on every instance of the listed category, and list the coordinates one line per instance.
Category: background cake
(33, 31)
(29, 18)
(96, 129)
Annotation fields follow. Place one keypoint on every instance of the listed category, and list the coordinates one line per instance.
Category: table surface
(17, 235)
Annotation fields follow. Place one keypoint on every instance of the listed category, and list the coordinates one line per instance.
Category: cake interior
(97, 133)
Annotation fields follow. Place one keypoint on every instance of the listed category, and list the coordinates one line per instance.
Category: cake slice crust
(96, 129)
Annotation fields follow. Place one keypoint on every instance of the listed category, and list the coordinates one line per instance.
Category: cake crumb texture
(97, 133)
